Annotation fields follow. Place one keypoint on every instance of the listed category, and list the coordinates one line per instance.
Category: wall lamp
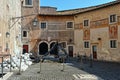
(7, 34)
(0, 34)
(35, 21)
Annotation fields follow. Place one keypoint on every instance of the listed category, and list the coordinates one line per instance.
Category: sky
(71, 4)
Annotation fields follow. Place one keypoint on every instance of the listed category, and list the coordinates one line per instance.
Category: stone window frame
(64, 44)
(24, 4)
(86, 46)
(88, 23)
(115, 45)
(112, 21)
(43, 22)
(25, 34)
(67, 24)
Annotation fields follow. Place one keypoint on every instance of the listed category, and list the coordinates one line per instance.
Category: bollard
(2, 66)
(63, 64)
(40, 64)
(10, 63)
(91, 61)
(19, 73)
(81, 61)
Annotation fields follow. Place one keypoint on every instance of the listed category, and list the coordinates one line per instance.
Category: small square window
(113, 18)
(63, 44)
(86, 44)
(28, 2)
(86, 22)
(24, 33)
(69, 24)
(113, 44)
(43, 25)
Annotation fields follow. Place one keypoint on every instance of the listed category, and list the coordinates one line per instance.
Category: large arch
(52, 44)
(43, 48)
(53, 50)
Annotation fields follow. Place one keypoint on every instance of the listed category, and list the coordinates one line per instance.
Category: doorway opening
(43, 48)
(25, 49)
(70, 50)
(94, 51)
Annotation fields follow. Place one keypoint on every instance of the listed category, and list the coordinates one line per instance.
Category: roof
(81, 10)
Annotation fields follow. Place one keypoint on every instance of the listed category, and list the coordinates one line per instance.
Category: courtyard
(71, 70)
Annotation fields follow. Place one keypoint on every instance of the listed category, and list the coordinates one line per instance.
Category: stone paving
(52, 71)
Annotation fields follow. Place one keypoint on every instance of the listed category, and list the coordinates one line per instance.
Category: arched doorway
(43, 48)
(52, 44)
(53, 49)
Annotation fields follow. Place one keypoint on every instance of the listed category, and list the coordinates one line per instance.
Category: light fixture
(0, 34)
(35, 21)
(17, 37)
(7, 34)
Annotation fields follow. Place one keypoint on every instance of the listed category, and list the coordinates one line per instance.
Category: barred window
(113, 44)
(69, 24)
(63, 44)
(43, 25)
(86, 44)
(86, 22)
(113, 18)
(28, 2)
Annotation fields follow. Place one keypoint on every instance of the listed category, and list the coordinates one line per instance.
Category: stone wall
(47, 9)
(29, 13)
(10, 9)
(99, 28)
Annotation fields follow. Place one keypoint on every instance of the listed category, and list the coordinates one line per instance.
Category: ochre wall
(99, 28)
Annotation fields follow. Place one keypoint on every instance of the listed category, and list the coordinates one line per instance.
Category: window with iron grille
(86, 44)
(69, 24)
(28, 2)
(43, 25)
(113, 18)
(113, 43)
(86, 22)
(63, 44)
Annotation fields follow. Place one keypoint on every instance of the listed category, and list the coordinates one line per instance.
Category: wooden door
(94, 51)
(25, 49)
(70, 50)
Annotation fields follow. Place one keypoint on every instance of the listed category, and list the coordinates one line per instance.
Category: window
(69, 24)
(63, 44)
(113, 44)
(24, 33)
(86, 22)
(86, 44)
(43, 25)
(113, 18)
(28, 2)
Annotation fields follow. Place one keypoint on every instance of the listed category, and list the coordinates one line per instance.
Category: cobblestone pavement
(52, 71)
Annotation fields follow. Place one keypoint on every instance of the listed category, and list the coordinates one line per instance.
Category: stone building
(29, 10)
(53, 28)
(98, 31)
(93, 30)
(10, 28)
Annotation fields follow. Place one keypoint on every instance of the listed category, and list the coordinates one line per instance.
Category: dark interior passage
(53, 48)
(43, 48)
